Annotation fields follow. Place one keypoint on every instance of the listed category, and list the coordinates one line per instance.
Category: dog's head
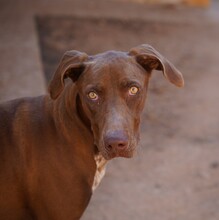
(112, 89)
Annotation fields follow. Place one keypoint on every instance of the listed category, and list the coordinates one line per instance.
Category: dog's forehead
(112, 64)
(110, 55)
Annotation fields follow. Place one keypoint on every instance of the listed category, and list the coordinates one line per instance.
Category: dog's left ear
(151, 59)
(71, 65)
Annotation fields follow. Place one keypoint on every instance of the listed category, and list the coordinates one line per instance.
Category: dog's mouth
(113, 154)
(125, 154)
(109, 152)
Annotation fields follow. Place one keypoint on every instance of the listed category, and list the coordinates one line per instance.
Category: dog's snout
(116, 140)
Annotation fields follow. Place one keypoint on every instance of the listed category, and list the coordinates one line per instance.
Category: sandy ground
(175, 173)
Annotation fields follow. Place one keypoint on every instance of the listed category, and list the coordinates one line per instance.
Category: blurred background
(175, 173)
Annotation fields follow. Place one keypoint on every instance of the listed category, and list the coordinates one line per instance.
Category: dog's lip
(114, 154)
(108, 155)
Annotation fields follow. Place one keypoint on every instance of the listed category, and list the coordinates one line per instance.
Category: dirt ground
(175, 173)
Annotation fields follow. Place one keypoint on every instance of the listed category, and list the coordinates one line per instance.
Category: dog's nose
(116, 140)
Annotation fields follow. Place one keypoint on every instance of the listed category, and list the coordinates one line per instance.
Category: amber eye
(133, 90)
(93, 96)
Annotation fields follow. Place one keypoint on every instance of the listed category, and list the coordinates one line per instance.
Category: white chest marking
(100, 171)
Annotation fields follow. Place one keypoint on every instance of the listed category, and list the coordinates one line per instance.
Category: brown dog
(52, 148)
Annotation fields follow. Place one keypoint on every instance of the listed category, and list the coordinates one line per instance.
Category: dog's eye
(93, 96)
(133, 90)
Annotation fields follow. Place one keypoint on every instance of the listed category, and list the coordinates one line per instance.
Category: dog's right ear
(150, 59)
(71, 65)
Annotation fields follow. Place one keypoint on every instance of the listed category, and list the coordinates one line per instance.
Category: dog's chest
(100, 171)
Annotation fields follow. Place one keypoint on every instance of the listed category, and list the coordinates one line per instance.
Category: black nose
(116, 140)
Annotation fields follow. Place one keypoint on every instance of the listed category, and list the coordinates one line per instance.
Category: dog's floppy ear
(71, 65)
(151, 59)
